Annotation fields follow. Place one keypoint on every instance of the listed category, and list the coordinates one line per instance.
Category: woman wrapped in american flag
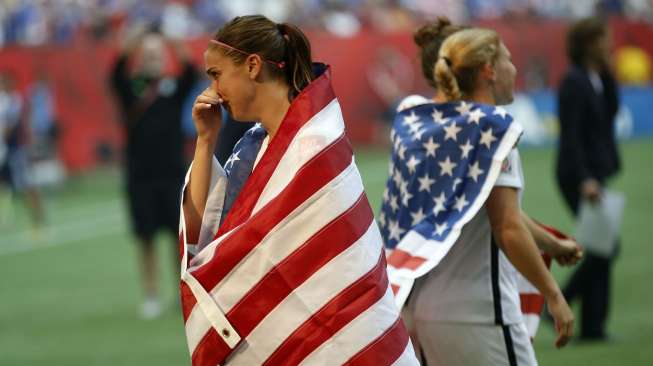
(451, 217)
(282, 261)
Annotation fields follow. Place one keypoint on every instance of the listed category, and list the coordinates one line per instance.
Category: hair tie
(281, 27)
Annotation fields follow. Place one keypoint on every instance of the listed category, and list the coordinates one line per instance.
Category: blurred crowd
(36, 22)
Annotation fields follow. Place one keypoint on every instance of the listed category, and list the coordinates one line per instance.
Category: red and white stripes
(296, 274)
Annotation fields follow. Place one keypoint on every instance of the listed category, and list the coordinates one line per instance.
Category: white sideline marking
(102, 222)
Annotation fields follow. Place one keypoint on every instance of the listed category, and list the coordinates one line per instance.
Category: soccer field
(70, 294)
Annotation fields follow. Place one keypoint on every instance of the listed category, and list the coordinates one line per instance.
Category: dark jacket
(151, 111)
(587, 147)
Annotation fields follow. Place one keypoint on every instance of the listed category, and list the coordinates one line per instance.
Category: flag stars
(465, 149)
(474, 171)
(464, 107)
(487, 138)
(401, 152)
(396, 177)
(411, 118)
(394, 205)
(446, 167)
(460, 204)
(438, 117)
(412, 164)
(417, 217)
(232, 159)
(456, 182)
(405, 197)
(439, 204)
(475, 116)
(500, 111)
(441, 228)
(395, 230)
(418, 135)
(430, 146)
(415, 127)
(397, 143)
(425, 183)
(451, 131)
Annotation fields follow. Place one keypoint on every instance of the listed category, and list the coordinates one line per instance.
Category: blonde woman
(452, 213)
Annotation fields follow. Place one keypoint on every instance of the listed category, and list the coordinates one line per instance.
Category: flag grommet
(226, 333)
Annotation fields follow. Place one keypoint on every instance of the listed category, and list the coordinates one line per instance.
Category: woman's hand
(207, 115)
(590, 189)
(567, 252)
(563, 318)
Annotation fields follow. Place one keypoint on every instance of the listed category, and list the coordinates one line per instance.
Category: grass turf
(69, 294)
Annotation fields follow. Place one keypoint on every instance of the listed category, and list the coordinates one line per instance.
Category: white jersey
(475, 282)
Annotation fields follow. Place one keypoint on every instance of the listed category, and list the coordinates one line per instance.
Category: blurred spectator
(588, 102)
(47, 169)
(36, 22)
(152, 104)
(15, 167)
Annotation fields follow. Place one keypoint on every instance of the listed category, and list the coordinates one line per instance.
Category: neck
(439, 97)
(483, 95)
(593, 66)
(274, 105)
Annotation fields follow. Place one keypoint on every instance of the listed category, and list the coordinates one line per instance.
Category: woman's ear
(254, 65)
(489, 72)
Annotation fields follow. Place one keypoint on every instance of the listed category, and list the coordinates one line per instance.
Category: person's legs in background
(142, 205)
(590, 281)
(151, 307)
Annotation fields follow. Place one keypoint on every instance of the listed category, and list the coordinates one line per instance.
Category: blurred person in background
(15, 164)
(151, 104)
(456, 318)
(47, 167)
(588, 101)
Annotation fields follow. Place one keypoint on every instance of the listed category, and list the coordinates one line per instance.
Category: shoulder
(493, 115)
(574, 78)
(411, 101)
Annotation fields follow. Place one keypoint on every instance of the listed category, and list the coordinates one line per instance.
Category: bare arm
(564, 251)
(519, 246)
(207, 118)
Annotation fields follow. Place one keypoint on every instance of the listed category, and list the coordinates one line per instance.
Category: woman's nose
(215, 88)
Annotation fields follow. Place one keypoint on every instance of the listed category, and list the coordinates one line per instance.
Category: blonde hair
(461, 57)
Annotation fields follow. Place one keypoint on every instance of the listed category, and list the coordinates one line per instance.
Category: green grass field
(69, 294)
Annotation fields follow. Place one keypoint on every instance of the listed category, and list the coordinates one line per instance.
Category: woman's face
(504, 83)
(599, 50)
(153, 57)
(233, 83)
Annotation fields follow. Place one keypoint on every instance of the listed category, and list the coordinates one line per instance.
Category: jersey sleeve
(511, 172)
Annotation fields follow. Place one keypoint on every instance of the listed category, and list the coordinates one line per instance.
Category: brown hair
(461, 57)
(429, 38)
(256, 34)
(581, 36)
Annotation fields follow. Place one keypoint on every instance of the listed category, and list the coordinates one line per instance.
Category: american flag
(445, 162)
(295, 273)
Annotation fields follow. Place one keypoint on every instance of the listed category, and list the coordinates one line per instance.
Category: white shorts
(463, 344)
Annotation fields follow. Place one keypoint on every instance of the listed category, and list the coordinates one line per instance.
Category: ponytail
(298, 71)
(446, 79)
